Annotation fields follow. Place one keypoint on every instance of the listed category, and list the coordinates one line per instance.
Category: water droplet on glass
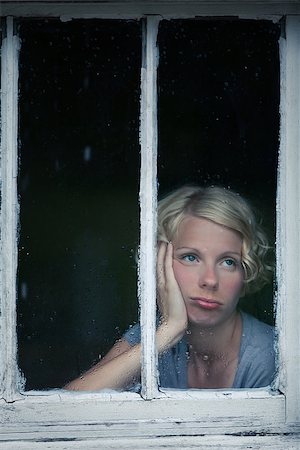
(24, 290)
(87, 153)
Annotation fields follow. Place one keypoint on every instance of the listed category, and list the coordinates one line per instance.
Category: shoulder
(257, 354)
(133, 334)
(255, 332)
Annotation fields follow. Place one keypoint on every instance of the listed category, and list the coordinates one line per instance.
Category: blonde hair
(226, 208)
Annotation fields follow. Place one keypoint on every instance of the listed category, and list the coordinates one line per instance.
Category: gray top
(256, 366)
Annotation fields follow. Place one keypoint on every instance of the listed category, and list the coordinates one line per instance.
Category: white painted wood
(148, 204)
(194, 442)
(158, 442)
(159, 2)
(140, 8)
(9, 211)
(227, 419)
(288, 238)
(165, 417)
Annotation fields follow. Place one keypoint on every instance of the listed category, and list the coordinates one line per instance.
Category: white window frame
(226, 418)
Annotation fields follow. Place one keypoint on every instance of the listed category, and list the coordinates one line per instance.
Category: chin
(209, 319)
(203, 320)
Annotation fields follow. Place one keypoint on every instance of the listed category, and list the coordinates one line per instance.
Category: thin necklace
(208, 359)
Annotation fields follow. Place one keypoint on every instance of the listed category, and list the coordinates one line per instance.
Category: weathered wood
(132, 8)
(9, 212)
(148, 205)
(189, 413)
(233, 419)
(158, 442)
(288, 235)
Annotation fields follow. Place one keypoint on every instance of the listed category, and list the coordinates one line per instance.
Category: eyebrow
(231, 253)
(191, 249)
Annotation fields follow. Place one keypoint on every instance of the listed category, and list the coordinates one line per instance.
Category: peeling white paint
(9, 211)
(227, 419)
(148, 204)
(288, 224)
(133, 9)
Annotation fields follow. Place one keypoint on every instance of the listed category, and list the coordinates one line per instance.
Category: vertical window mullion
(9, 209)
(148, 203)
(288, 238)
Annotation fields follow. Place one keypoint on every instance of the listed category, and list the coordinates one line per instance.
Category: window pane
(219, 115)
(219, 109)
(78, 188)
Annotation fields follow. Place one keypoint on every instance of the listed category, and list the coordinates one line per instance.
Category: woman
(210, 252)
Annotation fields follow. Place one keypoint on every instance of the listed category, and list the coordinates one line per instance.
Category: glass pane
(78, 188)
(219, 116)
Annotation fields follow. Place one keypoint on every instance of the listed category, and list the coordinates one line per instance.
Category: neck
(209, 343)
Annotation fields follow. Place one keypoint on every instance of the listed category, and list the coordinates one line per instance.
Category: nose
(208, 277)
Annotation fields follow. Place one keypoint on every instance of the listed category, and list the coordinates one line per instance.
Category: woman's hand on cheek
(169, 297)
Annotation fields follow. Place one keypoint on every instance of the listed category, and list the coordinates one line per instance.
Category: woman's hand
(169, 299)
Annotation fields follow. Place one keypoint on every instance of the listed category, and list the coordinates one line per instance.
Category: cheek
(234, 286)
(182, 274)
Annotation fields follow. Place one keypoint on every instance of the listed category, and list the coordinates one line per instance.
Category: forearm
(118, 373)
(121, 371)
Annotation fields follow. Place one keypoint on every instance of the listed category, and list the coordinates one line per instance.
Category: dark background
(79, 166)
(78, 187)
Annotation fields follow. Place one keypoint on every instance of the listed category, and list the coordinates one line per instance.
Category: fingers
(169, 297)
(169, 274)
(165, 263)
(160, 266)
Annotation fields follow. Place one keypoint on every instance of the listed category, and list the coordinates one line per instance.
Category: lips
(206, 303)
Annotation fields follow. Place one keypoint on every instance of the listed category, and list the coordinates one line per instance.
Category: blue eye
(189, 258)
(229, 262)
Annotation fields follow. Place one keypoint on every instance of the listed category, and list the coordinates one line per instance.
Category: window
(221, 416)
(78, 179)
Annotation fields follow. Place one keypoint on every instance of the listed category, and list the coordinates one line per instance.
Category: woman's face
(207, 267)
